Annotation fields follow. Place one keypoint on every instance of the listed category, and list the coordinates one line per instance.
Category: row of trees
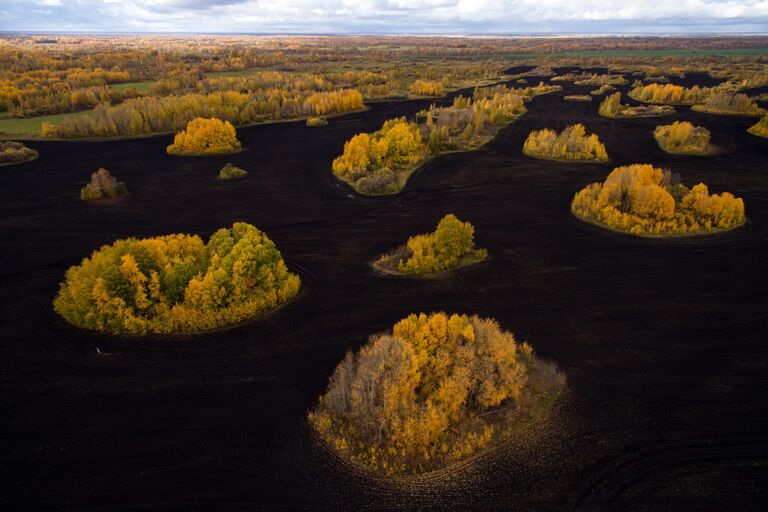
(427, 88)
(205, 137)
(643, 200)
(153, 115)
(572, 144)
(682, 137)
(670, 94)
(434, 390)
(177, 283)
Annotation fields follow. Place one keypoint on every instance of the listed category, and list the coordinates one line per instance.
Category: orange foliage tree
(205, 137)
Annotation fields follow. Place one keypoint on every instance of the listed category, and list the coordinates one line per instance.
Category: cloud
(386, 16)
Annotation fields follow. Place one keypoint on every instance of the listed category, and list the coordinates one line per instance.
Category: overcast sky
(387, 16)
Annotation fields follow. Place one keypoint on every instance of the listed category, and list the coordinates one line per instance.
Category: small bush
(230, 172)
(102, 186)
(317, 121)
(15, 153)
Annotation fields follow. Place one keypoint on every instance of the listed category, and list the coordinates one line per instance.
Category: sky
(387, 16)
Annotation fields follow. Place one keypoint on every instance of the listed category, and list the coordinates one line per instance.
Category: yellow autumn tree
(572, 144)
(177, 283)
(205, 137)
(434, 390)
(760, 128)
(643, 200)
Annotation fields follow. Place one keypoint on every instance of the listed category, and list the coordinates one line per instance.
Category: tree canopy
(177, 283)
(434, 390)
(643, 200)
(682, 137)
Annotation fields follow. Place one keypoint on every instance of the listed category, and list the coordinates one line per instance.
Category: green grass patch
(30, 126)
(142, 87)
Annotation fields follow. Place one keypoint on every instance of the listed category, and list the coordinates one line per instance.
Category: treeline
(427, 88)
(670, 94)
(643, 200)
(451, 245)
(682, 138)
(436, 389)
(572, 144)
(726, 103)
(153, 115)
(177, 283)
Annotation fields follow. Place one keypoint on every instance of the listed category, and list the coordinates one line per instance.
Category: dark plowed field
(664, 342)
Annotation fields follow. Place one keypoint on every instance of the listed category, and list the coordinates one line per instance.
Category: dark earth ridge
(662, 341)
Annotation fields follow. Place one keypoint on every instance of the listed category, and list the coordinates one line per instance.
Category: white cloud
(396, 16)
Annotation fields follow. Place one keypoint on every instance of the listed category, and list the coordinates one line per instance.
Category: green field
(29, 127)
(142, 87)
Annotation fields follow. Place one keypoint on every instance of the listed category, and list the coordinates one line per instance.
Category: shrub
(317, 121)
(176, 283)
(230, 172)
(643, 200)
(205, 137)
(102, 186)
(15, 153)
(434, 390)
(571, 144)
(760, 128)
(682, 138)
(451, 245)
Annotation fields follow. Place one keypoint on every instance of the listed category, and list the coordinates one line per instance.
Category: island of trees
(317, 121)
(15, 153)
(760, 128)
(102, 186)
(612, 107)
(669, 94)
(642, 200)
(436, 389)
(683, 138)
(232, 172)
(381, 162)
(204, 137)
(725, 103)
(450, 246)
(572, 145)
(177, 283)
(578, 97)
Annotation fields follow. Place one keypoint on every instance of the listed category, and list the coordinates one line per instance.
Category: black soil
(663, 341)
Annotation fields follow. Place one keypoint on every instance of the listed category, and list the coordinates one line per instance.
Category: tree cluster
(682, 138)
(727, 103)
(102, 186)
(572, 144)
(436, 389)
(371, 161)
(611, 106)
(427, 88)
(15, 153)
(642, 200)
(205, 137)
(450, 246)
(177, 283)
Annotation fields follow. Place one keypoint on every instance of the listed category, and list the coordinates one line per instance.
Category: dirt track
(663, 342)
